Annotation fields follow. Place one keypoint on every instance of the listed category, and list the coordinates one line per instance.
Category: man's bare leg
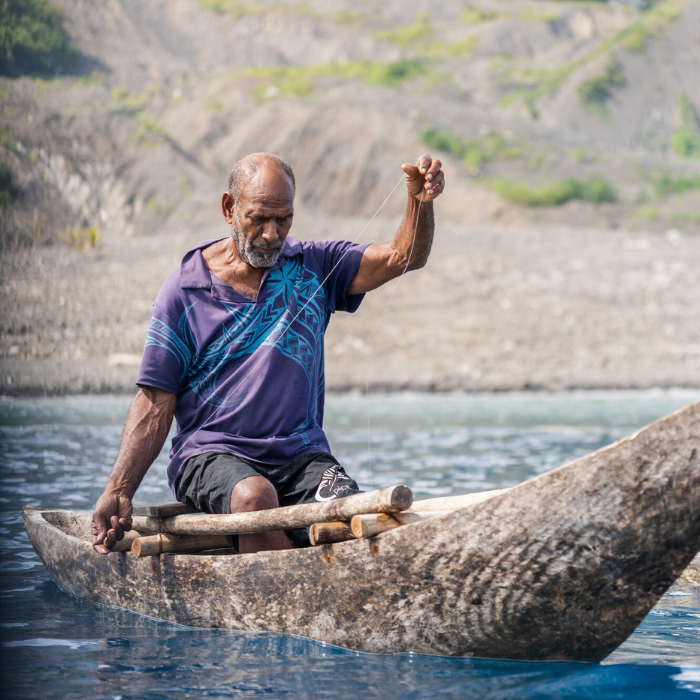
(257, 493)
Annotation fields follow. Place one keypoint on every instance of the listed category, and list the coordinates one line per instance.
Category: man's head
(259, 206)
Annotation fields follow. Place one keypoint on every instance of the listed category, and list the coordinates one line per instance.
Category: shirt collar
(194, 274)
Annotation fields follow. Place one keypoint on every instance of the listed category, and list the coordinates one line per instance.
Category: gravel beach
(495, 309)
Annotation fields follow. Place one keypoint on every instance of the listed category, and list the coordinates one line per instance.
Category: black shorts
(207, 481)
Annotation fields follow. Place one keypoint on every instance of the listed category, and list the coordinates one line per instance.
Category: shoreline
(692, 393)
(494, 310)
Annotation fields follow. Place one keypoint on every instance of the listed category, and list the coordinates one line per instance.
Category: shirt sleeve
(167, 355)
(340, 263)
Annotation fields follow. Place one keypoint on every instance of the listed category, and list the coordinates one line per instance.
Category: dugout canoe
(561, 567)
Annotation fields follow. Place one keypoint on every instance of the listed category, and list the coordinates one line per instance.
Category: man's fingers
(100, 549)
(126, 525)
(424, 163)
(116, 528)
(433, 170)
(410, 170)
(110, 541)
(436, 182)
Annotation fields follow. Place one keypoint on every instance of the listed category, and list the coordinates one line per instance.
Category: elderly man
(234, 351)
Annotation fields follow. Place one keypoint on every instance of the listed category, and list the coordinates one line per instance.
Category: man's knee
(253, 493)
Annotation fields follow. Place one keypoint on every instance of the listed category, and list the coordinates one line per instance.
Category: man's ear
(227, 207)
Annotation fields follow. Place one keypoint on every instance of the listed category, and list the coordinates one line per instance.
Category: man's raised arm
(145, 430)
(382, 262)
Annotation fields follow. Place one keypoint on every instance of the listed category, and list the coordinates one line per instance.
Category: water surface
(58, 453)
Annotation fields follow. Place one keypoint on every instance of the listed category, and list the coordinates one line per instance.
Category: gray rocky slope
(137, 145)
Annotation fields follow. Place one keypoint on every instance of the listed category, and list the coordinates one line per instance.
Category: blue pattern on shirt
(291, 290)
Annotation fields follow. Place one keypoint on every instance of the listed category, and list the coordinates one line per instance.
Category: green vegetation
(594, 93)
(81, 238)
(158, 207)
(649, 213)
(476, 15)
(237, 8)
(417, 33)
(685, 140)
(577, 155)
(186, 186)
(149, 131)
(651, 25)
(8, 192)
(595, 190)
(528, 14)
(472, 153)
(9, 145)
(419, 37)
(642, 197)
(532, 85)
(134, 101)
(670, 185)
(297, 81)
(32, 39)
(214, 104)
(440, 50)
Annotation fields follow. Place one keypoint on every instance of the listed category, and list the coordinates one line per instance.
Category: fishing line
(379, 340)
(289, 325)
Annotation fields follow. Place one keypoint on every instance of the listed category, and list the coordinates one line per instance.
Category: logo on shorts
(334, 484)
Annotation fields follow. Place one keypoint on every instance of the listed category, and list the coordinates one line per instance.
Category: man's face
(263, 217)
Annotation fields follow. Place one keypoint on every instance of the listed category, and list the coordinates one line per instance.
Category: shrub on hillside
(675, 185)
(685, 140)
(595, 190)
(596, 92)
(32, 39)
(472, 153)
(8, 193)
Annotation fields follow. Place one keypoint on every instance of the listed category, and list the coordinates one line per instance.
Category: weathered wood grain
(691, 574)
(453, 502)
(561, 567)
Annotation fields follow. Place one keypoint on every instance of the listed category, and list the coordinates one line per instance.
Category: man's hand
(424, 179)
(145, 430)
(110, 520)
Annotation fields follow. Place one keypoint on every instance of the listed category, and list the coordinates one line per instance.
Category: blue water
(57, 453)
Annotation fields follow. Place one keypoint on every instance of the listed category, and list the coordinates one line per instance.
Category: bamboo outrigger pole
(393, 499)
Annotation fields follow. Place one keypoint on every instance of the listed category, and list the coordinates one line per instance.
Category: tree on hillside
(33, 40)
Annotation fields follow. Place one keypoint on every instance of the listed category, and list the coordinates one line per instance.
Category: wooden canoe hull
(562, 567)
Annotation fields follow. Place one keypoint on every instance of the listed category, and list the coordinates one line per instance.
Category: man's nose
(270, 231)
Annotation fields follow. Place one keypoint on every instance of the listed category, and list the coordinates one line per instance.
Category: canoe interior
(73, 524)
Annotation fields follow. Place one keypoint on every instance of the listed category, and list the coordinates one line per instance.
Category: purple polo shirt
(248, 373)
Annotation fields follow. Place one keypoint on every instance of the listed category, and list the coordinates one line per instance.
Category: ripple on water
(59, 453)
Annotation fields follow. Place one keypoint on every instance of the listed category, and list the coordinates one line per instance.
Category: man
(234, 351)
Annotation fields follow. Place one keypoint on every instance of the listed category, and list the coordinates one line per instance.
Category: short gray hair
(244, 170)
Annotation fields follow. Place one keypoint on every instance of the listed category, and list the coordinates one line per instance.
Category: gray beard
(250, 252)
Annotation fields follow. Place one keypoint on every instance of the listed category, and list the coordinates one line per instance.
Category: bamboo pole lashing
(393, 499)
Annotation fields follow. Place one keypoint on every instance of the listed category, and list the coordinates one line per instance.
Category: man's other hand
(110, 520)
(425, 180)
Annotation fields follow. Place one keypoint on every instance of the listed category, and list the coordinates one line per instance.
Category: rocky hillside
(518, 98)
(570, 133)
